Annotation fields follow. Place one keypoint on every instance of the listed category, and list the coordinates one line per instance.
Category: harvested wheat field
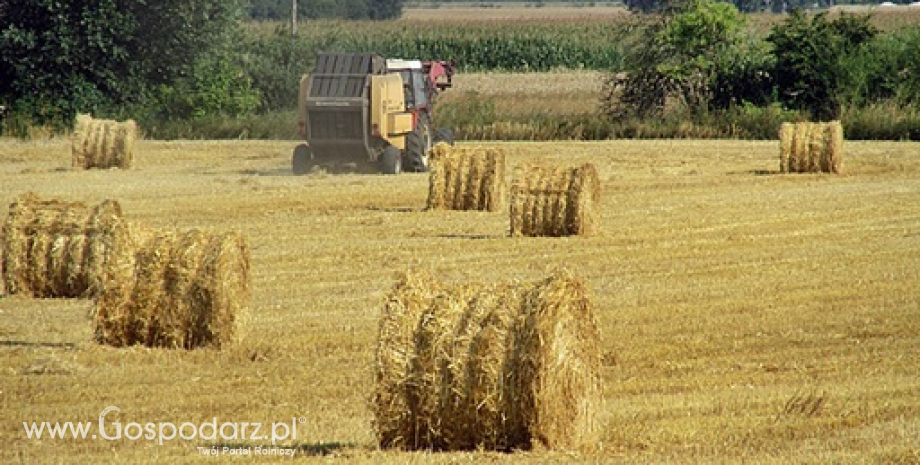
(744, 315)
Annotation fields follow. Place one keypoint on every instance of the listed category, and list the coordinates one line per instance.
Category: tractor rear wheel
(302, 162)
(391, 160)
(418, 143)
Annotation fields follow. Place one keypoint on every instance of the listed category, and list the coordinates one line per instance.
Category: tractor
(367, 113)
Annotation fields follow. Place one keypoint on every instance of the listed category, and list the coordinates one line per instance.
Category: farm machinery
(364, 112)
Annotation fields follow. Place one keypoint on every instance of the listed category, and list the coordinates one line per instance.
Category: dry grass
(730, 300)
(513, 95)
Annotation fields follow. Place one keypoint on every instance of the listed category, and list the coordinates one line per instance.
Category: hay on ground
(554, 201)
(99, 143)
(811, 147)
(500, 367)
(466, 179)
(188, 290)
(54, 248)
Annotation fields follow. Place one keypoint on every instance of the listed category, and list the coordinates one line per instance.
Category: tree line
(171, 62)
(323, 9)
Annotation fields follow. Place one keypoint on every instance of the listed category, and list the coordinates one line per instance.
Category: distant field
(514, 95)
(886, 18)
(514, 13)
(745, 316)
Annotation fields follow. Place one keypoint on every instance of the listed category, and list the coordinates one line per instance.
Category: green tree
(107, 56)
(385, 9)
(810, 52)
(60, 57)
(676, 58)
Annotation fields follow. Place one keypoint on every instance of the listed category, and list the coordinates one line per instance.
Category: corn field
(512, 46)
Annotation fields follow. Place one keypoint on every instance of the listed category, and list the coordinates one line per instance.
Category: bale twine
(811, 147)
(54, 248)
(554, 201)
(466, 179)
(188, 290)
(499, 367)
(99, 143)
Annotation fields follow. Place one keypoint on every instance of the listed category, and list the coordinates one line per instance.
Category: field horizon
(745, 315)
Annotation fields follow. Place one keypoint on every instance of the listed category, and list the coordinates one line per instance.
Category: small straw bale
(188, 289)
(99, 143)
(554, 201)
(54, 248)
(496, 367)
(811, 147)
(467, 179)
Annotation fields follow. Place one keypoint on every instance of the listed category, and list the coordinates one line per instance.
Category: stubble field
(745, 315)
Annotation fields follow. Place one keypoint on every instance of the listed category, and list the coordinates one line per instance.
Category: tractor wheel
(302, 162)
(418, 143)
(444, 135)
(391, 160)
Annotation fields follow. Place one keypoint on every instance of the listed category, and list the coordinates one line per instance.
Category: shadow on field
(43, 345)
(763, 172)
(472, 237)
(311, 449)
(396, 209)
(267, 172)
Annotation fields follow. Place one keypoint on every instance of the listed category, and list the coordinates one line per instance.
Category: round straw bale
(467, 179)
(188, 290)
(99, 143)
(554, 201)
(811, 147)
(498, 367)
(64, 249)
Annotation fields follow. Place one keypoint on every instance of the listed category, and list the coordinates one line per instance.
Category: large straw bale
(99, 143)
(498, 367)
(54, 248)
(811, 147)
(466, 179)
(554, 201)
(188, 290)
